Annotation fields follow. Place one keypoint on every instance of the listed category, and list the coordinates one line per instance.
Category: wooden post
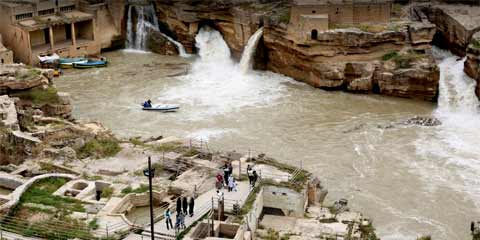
(74, 37)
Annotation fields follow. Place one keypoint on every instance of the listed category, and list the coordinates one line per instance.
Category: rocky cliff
(35, 119)
(472, 64)
(392, 60)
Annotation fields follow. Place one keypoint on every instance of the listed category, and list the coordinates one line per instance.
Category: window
(46, 12)
(3, 61)
(67, 8)
(23, 16)
(338, 11)
(314, 34)
(314, 11)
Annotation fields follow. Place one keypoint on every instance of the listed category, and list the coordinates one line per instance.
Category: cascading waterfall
(216, 83)
(449, 154)
(250, 48)
(146, 18)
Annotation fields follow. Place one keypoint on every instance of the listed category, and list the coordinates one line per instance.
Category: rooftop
(45, 21)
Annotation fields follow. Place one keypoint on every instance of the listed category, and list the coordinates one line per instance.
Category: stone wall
(291, 202)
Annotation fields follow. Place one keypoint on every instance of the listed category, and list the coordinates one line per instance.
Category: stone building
(32, 28)
(6, 56)
(309, 17)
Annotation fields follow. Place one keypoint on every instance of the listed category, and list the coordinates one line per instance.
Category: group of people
(227, 180)
(184, 208)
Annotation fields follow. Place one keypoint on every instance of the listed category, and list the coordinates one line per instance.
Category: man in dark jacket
(191, 205)
(185, 205)
(179, 205)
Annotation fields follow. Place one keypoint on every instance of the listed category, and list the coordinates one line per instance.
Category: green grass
(39, 96)
(168, 147)
(428, 237)
(143, 188)
(29, 74)
(136, 141)
(99, 148)
(390, 55)
(93, 224)
(476, 43)
(403, 60)
(41, 193)
(107, 192)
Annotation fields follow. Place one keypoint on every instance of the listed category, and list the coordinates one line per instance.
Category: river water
(410, 180)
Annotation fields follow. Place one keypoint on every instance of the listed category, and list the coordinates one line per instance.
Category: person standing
(191, 206)
(185, 205)
(226, 173)
(168, 219)
(250, 174)
(219, 181)
(179, 205)
(230, 169)
(254, 178)
(230, 183)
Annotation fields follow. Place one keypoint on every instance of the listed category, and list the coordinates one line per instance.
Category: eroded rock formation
(347, 59)
(472, 64)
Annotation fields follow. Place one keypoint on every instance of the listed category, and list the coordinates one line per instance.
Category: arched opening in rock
(314, 34)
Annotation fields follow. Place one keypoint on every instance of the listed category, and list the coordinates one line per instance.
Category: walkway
(203, 204)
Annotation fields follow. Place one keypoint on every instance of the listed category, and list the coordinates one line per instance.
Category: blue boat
(68, 62)
(162, 108)
(90, 64)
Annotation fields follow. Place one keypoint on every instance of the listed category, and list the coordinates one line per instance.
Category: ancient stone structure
(308, 17)
(6, 56)
(45, 27)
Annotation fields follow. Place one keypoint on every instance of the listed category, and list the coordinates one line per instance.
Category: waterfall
(448, 154)
(216, 85)
(146, 18)
(456, 89)
(247, 56)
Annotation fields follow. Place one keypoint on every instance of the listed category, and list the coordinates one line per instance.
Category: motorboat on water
(90, 64)
(69, 62)
(162, 108)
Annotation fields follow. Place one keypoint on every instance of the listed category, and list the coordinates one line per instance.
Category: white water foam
(250, 48)
(450, 155)
(216, 84)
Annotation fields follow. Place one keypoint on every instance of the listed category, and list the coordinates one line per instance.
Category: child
(230, 183)
(234, 185)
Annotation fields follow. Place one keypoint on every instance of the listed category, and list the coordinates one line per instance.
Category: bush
(93, 224)
(29, 74)
(39, 96)
(143, 188)
(390, 55)
(425, 238)
(107, 192)
(476, 43)
(100, 148)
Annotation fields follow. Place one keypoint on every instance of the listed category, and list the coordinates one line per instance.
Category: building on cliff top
(32, 28)
(6, 56)
(308, 17)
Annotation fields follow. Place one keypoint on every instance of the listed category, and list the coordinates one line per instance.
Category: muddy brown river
(410, 180)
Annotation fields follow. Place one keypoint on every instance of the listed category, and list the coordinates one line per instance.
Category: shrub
(107, 192)
(390, 55)
(39, 96)
(93, 224)
(29, 74)
(425, 238)
(100, 148)
(143, 188)
(476, 43)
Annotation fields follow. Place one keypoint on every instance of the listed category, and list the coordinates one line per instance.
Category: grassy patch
(425, 238)
(28, 74)
(368, 232)
(402, 60)
(136, 141)
(99, 148)
(390, 55)
(107, 192)
(143, 188)
(284, 16)
(168, 147)
(41, 193)
(476, 43)
(39, 96)
(93, 224)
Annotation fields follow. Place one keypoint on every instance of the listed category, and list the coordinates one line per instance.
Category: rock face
(455, 23)
(472, 64)
(342, 59)
(157, 43)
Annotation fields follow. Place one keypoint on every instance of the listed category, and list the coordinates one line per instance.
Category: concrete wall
(59, 33)
(37, 37)
(308, 24)
(84, 30)
(251, 219)
(291, 202)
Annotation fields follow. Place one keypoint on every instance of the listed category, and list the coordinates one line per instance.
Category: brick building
(32, 28)
(308, 17)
